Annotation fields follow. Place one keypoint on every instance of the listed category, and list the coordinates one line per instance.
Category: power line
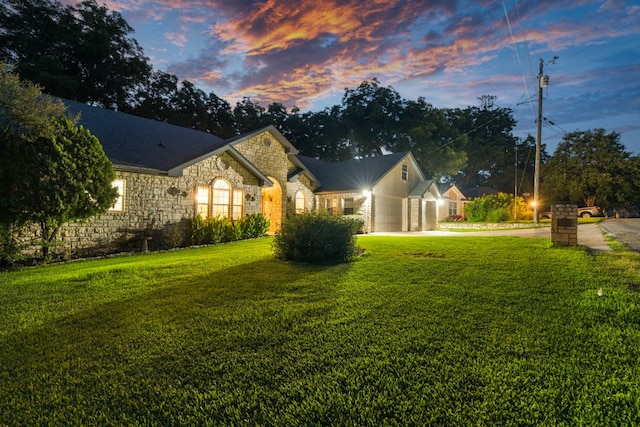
(515, 48)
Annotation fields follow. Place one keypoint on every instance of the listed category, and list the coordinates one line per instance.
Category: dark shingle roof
(351, 175)
(143, 143)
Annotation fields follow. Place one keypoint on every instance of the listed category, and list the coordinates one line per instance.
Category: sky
(305, 53)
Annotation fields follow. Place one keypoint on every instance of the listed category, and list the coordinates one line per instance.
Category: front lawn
(474, 331)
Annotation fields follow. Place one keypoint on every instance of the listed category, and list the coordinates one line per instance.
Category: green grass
(479, 331)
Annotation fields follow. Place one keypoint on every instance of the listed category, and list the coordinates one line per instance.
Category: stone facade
(261, 173)
(335, 204)
(158, 207)
(153, 204)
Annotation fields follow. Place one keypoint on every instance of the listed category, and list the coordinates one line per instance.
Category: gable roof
(447, 188)
(143, 143)
(426, 190)
(351, 175)
(151, 146)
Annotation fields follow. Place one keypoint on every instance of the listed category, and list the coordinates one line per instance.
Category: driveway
(589, 235)
(624, 230)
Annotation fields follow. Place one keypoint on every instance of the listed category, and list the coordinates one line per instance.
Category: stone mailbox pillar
(564, 224)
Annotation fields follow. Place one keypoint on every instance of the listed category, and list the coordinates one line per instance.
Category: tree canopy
(83, 52)
(87, 53)
(51, 171)
(591, 167)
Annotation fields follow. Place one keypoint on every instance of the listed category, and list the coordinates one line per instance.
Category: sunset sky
(306, 52)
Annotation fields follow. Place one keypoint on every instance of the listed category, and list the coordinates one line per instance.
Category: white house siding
(390, 205)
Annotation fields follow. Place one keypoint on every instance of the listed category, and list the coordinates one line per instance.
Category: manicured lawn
(473, 331)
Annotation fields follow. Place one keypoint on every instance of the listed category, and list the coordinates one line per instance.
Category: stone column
(564, 224)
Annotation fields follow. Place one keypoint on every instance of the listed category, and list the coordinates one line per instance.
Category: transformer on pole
(543, 81)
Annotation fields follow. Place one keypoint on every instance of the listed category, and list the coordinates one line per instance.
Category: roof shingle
(143, 143)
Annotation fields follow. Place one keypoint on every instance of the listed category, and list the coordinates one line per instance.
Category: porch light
(366, 193)
(440, 202)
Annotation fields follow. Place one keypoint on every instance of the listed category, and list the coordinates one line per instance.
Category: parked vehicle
(590, 211)
(586, 212)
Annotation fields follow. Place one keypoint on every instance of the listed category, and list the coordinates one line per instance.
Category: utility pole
(543, 81)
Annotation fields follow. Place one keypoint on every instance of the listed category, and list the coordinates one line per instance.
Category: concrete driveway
(589, 235)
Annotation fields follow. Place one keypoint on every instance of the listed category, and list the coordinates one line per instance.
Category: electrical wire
(515, 48)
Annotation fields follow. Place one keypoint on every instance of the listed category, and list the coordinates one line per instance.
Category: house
(390, 192)
(168, 174)
(453, 202)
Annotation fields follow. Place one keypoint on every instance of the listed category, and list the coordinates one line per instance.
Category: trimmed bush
(315, 238)
(356, 222)
(221, 230)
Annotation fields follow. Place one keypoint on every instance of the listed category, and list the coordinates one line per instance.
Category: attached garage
(391, 191)
(389, 213)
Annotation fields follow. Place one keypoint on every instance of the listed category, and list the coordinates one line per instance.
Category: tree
(250, 115)
(489, 145)
(424, 130)
(371, 113)
(82, 52)
(24, 111)
(590, 167)
(320, 134)
(51, 172)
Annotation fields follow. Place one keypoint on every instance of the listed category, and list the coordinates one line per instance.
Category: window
(118, 206)
(300, 205)
(405, 171)
(202, 201)
(221, 198)
(453, 208)
(332, 206)
(347, 206)
(236, 209)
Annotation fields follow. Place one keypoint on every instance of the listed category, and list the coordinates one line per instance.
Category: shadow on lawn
(177, 324)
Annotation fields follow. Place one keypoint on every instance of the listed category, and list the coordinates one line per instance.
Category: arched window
(301, 204)
(221, 198)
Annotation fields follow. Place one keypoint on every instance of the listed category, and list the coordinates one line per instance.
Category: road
(624, 230)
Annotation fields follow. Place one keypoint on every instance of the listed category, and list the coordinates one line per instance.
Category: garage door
(388, 213)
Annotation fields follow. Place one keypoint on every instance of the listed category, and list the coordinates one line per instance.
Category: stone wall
(361, 205)
(416, 215)
(157, 206)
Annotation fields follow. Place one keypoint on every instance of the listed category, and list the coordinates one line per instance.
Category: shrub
(220, 229)
(356, 222)
(498, 215)
(315, 237)
(10, 250)
(494, 208)
(172, 236)
(217, 229)
(196, 230)
(253, 226)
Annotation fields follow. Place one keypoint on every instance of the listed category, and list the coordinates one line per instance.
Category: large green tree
(24, 113)
(424, 130)
(371, 115)
(489, 144)
(83, 52)
(51, 171)
(590, 167)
